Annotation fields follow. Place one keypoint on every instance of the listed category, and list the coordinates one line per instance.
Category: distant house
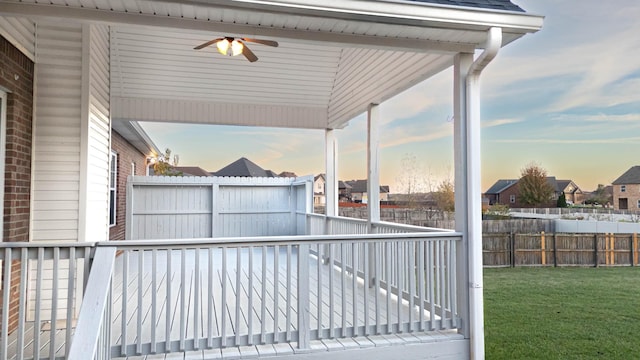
(626, 190)
(359, 191)
(319, 191)
(131, 150)
(319, 188)
(344, 192)
(244, 167)
(498, 193)
(507, 192)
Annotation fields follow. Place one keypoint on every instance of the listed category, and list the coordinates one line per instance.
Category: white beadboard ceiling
(334, 59)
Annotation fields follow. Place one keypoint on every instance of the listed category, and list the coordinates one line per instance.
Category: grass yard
(562, 313)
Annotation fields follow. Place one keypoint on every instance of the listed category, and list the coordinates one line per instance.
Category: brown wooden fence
(542, 249)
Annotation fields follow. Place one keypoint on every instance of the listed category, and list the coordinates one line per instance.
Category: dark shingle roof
(500, 186)
(631, 176)
(244, 167)
(483, 4)
(192, 170)
(360, 186)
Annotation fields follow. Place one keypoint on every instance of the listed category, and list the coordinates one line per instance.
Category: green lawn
(562, 313)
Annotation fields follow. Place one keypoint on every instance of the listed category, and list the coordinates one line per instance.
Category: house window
(638, 204)
(623, 188)
(113, 181)
(512, 199)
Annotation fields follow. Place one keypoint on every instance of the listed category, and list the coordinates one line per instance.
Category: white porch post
(373, 165)
(461, 66)
(331, 172)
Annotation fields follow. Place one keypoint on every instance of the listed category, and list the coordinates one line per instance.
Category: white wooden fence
(179, 207)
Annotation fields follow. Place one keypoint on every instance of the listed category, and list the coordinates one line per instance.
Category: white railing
(41, 286)
(175, 296)
(336, 225)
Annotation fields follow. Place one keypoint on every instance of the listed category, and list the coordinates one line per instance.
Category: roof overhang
(335, 57)
(136, 136)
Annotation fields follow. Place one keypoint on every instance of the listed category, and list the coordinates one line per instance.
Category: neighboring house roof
(192, 170)
(319, 176)
(360, 186)
(551, 180)
(484, 4)
(136, 136)
(631, 176)
(500, 186)
(287, 174)
(244, 167)
(344, 185)
(503, 184)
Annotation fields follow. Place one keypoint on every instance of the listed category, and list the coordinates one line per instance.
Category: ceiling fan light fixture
(223, 46)
(236, 47)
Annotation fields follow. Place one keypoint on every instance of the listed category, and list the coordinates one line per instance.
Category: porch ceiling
(334, 58)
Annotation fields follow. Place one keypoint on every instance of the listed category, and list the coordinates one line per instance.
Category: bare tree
(410, 180)
(444, 196)
(533, 186)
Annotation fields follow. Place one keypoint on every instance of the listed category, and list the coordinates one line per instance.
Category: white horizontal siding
(56, 158)
(21, 32)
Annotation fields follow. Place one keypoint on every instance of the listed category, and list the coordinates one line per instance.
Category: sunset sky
(567, 97)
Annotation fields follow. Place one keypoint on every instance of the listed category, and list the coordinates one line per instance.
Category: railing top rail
(278, 240)
(411, 227)
(47, 244)
(212, 180)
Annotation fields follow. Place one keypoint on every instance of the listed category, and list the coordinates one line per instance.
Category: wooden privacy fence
(560, 249)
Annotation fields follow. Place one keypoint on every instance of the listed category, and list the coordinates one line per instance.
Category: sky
(566, 98)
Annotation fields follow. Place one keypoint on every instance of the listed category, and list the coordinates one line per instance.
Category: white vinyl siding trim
(21, 33)
(98, 135)
(56, 156)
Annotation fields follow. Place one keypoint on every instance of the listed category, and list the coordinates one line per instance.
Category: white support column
(462, 62)
(373, 164)
(331, 173)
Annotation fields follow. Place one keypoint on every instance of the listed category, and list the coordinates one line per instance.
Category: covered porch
(133, 60)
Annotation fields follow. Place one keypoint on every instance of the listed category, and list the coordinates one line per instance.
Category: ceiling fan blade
(249, 54)
(207, 44)
(263, 42)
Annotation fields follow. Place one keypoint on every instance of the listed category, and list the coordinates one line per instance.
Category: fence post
(631, 250)
(635, 249)
(543, 253)
(303, 297)
(595, 249)
(555, 251)
(512, 240)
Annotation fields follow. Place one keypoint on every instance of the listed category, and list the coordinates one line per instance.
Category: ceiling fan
(233, 47)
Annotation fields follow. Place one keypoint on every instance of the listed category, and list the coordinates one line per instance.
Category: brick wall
(127, 154)
(631, 193)
(16, 75)
(17, 186)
